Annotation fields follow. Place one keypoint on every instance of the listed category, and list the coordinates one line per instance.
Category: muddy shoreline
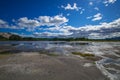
(35, 66)
(44, 60)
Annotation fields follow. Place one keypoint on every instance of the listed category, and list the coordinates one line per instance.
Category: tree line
(19, 38)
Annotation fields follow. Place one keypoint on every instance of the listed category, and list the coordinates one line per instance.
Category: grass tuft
(88, 56)
(5, 54)
(83, 54)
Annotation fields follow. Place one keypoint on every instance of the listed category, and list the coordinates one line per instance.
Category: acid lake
(109, 52)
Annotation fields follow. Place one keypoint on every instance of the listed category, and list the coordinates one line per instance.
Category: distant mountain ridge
(9, 36)
(5, 35)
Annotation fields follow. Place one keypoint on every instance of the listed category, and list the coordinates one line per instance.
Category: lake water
(109, 51)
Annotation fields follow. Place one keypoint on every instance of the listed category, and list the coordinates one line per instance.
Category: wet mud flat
(49, 60)
(36, 66)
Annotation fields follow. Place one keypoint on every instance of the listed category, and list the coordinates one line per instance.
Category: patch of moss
(94, 63)
(4, 56)
(83, 54)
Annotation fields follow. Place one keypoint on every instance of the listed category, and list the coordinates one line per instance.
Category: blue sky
(61, 18)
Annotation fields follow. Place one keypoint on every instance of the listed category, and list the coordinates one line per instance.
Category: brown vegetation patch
(87, 56)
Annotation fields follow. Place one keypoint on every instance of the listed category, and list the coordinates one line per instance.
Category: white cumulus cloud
(89, 17)
(90, 3)
(96, 8)
(25, 22)
(3, 24)
(58, 29)
(52, 21)
(82, 10)
(70, 7)
(32, 24)
(97, 17)
(107, 2)
(101, 31)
